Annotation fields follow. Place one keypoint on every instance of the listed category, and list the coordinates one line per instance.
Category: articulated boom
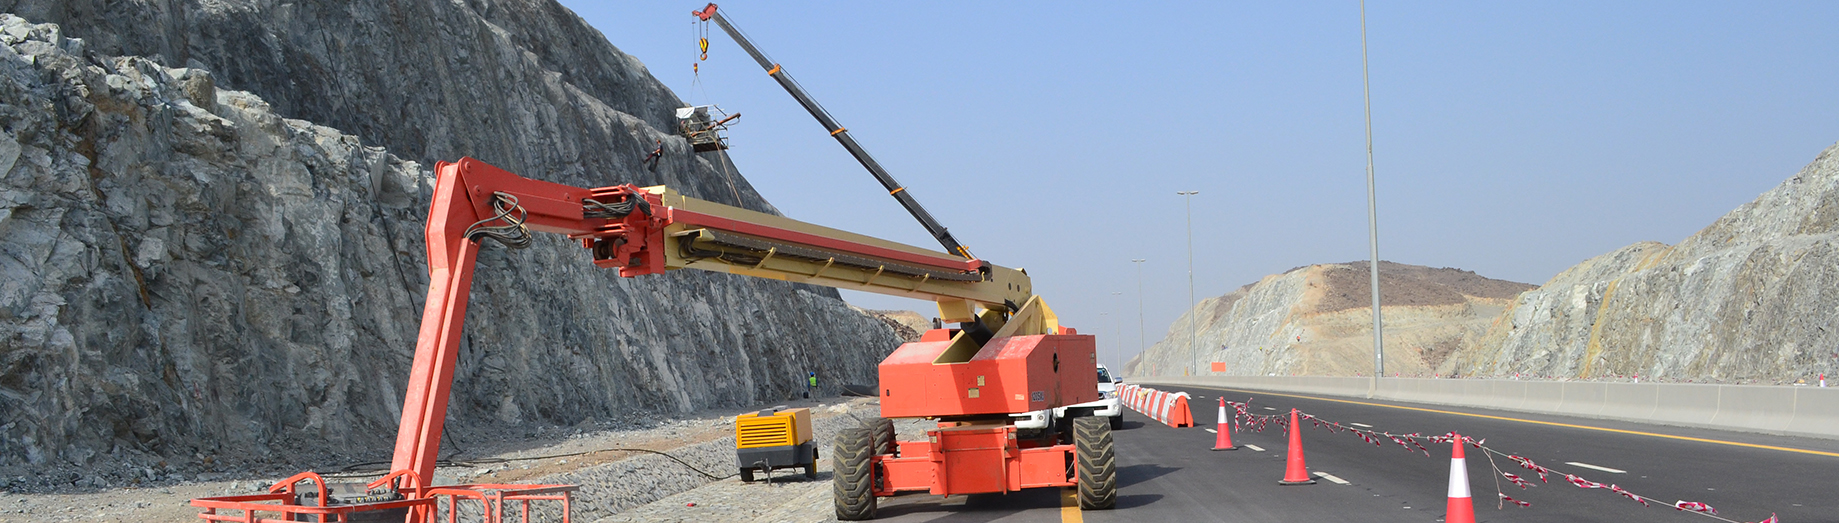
(1012, 346)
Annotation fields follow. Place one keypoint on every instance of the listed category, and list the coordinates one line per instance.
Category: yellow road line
(1069, 507)
(1537, 422)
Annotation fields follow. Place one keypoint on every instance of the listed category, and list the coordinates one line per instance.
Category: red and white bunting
(1695, 507)
(1517, 480)
(1583, 483)
(1509, 499)
(1630, 495)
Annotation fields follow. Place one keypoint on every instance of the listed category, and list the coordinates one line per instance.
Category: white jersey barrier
(1170, 408)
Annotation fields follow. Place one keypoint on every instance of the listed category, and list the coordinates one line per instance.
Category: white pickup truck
(1107, 406)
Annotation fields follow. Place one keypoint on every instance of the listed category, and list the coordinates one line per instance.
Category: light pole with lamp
(1193, 315)
(1372, 215)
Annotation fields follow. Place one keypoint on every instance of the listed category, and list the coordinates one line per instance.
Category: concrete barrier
(1794, 411)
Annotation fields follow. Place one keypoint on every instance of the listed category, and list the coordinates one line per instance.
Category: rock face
(1316, 320)
(195, 280)
(907, 325)
(1752, 298)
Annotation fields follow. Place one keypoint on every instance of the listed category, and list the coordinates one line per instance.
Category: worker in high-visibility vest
(810, 384)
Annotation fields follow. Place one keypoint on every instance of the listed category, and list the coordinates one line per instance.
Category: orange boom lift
(1009, 355)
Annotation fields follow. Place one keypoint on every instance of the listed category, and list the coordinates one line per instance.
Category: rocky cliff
(1316, 320)
(198, 275)
(1752, 298)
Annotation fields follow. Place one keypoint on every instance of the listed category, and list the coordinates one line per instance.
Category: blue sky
(1513, 140)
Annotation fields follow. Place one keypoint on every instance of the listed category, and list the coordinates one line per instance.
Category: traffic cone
(1295, 472)
(1224, 441)
(1461, 509)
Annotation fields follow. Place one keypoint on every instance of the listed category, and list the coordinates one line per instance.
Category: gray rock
(202, 274)
(1748, 299)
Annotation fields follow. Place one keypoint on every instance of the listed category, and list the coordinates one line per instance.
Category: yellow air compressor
(774, 438)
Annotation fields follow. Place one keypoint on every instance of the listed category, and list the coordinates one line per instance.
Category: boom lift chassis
(1007, 359)
(1010, 354)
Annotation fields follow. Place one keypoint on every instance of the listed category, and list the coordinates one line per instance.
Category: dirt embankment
(1349, 286)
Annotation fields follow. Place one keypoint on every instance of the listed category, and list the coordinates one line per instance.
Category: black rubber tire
(747, 475)
(852, 477)
(1117, 422)
(1097, 462)
(884, 436)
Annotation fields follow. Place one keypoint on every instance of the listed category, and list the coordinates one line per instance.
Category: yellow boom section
(714, 237)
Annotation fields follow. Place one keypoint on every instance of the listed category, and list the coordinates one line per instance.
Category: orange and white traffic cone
(1461, 508)
(1224, 441)
(1295, 472)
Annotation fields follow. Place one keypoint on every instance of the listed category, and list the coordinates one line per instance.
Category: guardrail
(1794, 411)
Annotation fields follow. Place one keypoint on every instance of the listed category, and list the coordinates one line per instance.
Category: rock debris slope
(1754, 297)
(1316, 320)
(192, 279)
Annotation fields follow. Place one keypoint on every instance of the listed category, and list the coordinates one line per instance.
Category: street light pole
(1372, 213)
(1140, 335)
(1193, 316)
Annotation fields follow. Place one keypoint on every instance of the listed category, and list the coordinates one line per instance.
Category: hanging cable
(615, 210)
(512, 234)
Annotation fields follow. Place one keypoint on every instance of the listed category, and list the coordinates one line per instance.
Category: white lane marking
(1213, 431)
(1331, 477)
(1361, 425)
(1254, 448)
(1589, 466)
(1268, 408)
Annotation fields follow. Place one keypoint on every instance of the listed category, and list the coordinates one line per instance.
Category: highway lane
(1170, 474)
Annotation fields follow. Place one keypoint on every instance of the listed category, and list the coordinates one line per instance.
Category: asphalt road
(1167, 474)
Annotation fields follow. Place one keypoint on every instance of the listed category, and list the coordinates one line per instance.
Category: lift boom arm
(837, 131)
(651, 230)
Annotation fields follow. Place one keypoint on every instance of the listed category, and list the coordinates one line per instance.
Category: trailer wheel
(884, 436)
(747, 475)
(852, 479)
(1097, 463)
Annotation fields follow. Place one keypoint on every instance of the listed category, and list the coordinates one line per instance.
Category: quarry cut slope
(1316, 320)
(192, 280)
(1754, 297)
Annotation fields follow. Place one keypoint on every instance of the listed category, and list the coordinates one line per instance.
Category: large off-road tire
(853, 476)
(884, 436)
(1097, 461)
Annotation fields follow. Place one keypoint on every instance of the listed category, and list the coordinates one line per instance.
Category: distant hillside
(1754, 297)
(1317, 320)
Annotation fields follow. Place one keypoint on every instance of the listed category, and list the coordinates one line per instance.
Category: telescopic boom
(841, 134)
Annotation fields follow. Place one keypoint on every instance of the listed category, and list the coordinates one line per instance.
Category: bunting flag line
(1695, 507)
(1242, 413)
(1582, 483)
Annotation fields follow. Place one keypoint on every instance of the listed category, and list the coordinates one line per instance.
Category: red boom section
(464, 197)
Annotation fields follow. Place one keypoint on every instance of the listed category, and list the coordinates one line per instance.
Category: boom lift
(1009, 355)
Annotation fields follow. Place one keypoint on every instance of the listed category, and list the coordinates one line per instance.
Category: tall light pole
(1193, 316)
(1372, 213)
(1140, 335)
